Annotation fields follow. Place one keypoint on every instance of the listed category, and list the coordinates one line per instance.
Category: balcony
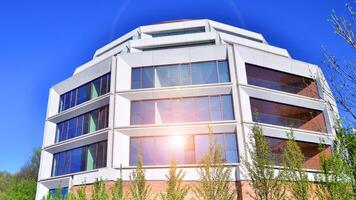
(281, 81)
(310, 151)
(287, 115)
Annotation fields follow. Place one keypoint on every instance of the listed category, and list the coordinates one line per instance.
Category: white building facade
(161, 87)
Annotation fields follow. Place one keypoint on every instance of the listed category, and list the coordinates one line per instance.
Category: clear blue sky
(42, 41)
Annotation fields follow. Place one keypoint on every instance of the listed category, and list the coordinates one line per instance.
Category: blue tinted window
(80, 125)
(215, 109)
(73, 96)
(105, 84)
(231, 148)
(61, 103)
(147, 77)
(67, 162)
(189, 149)
(224, 75)
(227, 108)
(76, 160)
(165, 156)
(178, 110)
(136, 78)
(58, 131)
(83, 94)
(189, 109)
(64, 192)
(164, 111)
(205, 72)
(180, 74)
(72, 128)
(100, 160)
(148, 155)
(63, 135)
(162, 74)
(147, 110)
(134, 150)
(201, 147)
(185, 74)
(55, 165)
(67, 101)
(135, 113)
(60, 163)
(201, 110)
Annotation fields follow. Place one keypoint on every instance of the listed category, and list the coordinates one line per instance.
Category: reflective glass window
(215, 108)
(224, 75)
(201, 109)
(76, 160)
(91, 90)
(185, 149)
(147, 77)
(227, 107)
(136, 78)
(83, 94)
(204, 72)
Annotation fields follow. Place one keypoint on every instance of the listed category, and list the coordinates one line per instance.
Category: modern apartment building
(161, 87)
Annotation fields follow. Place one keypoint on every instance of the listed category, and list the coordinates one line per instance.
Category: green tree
(24, 189)
(21, 185)
(31, 167)
(99, 191)
(81, 194)
(139, 190)
(335, 179)
(293, 162)
(174, 188)
(214, 175)
(5, 180)
(118, 189)
(266, 182)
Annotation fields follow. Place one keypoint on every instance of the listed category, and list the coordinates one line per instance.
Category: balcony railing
(289, 122)
(283, 87)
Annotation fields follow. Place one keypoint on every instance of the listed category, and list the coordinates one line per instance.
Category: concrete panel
(122, 111)
(84, 76)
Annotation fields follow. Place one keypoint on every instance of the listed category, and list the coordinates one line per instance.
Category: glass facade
(180, 74)
(84, 158)
(287, 115)
(180, 110)
(311, 152)
(63, 192)
(91, 90)
(179, 32)
(185, 149)
(82, 124)
(281, 81)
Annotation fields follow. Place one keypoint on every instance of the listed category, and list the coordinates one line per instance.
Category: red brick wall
(156, 186)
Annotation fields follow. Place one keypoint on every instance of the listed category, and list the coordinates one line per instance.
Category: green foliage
(265, 181)
(99, 191)
(347, 145)
(21, 190)
(336, 178)
(30, 169)
(5, 180)
(139, 190)
(81, 195)
(118, 190)
(174, 190)
(214, 175)
(293, 162)
(22, 185)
